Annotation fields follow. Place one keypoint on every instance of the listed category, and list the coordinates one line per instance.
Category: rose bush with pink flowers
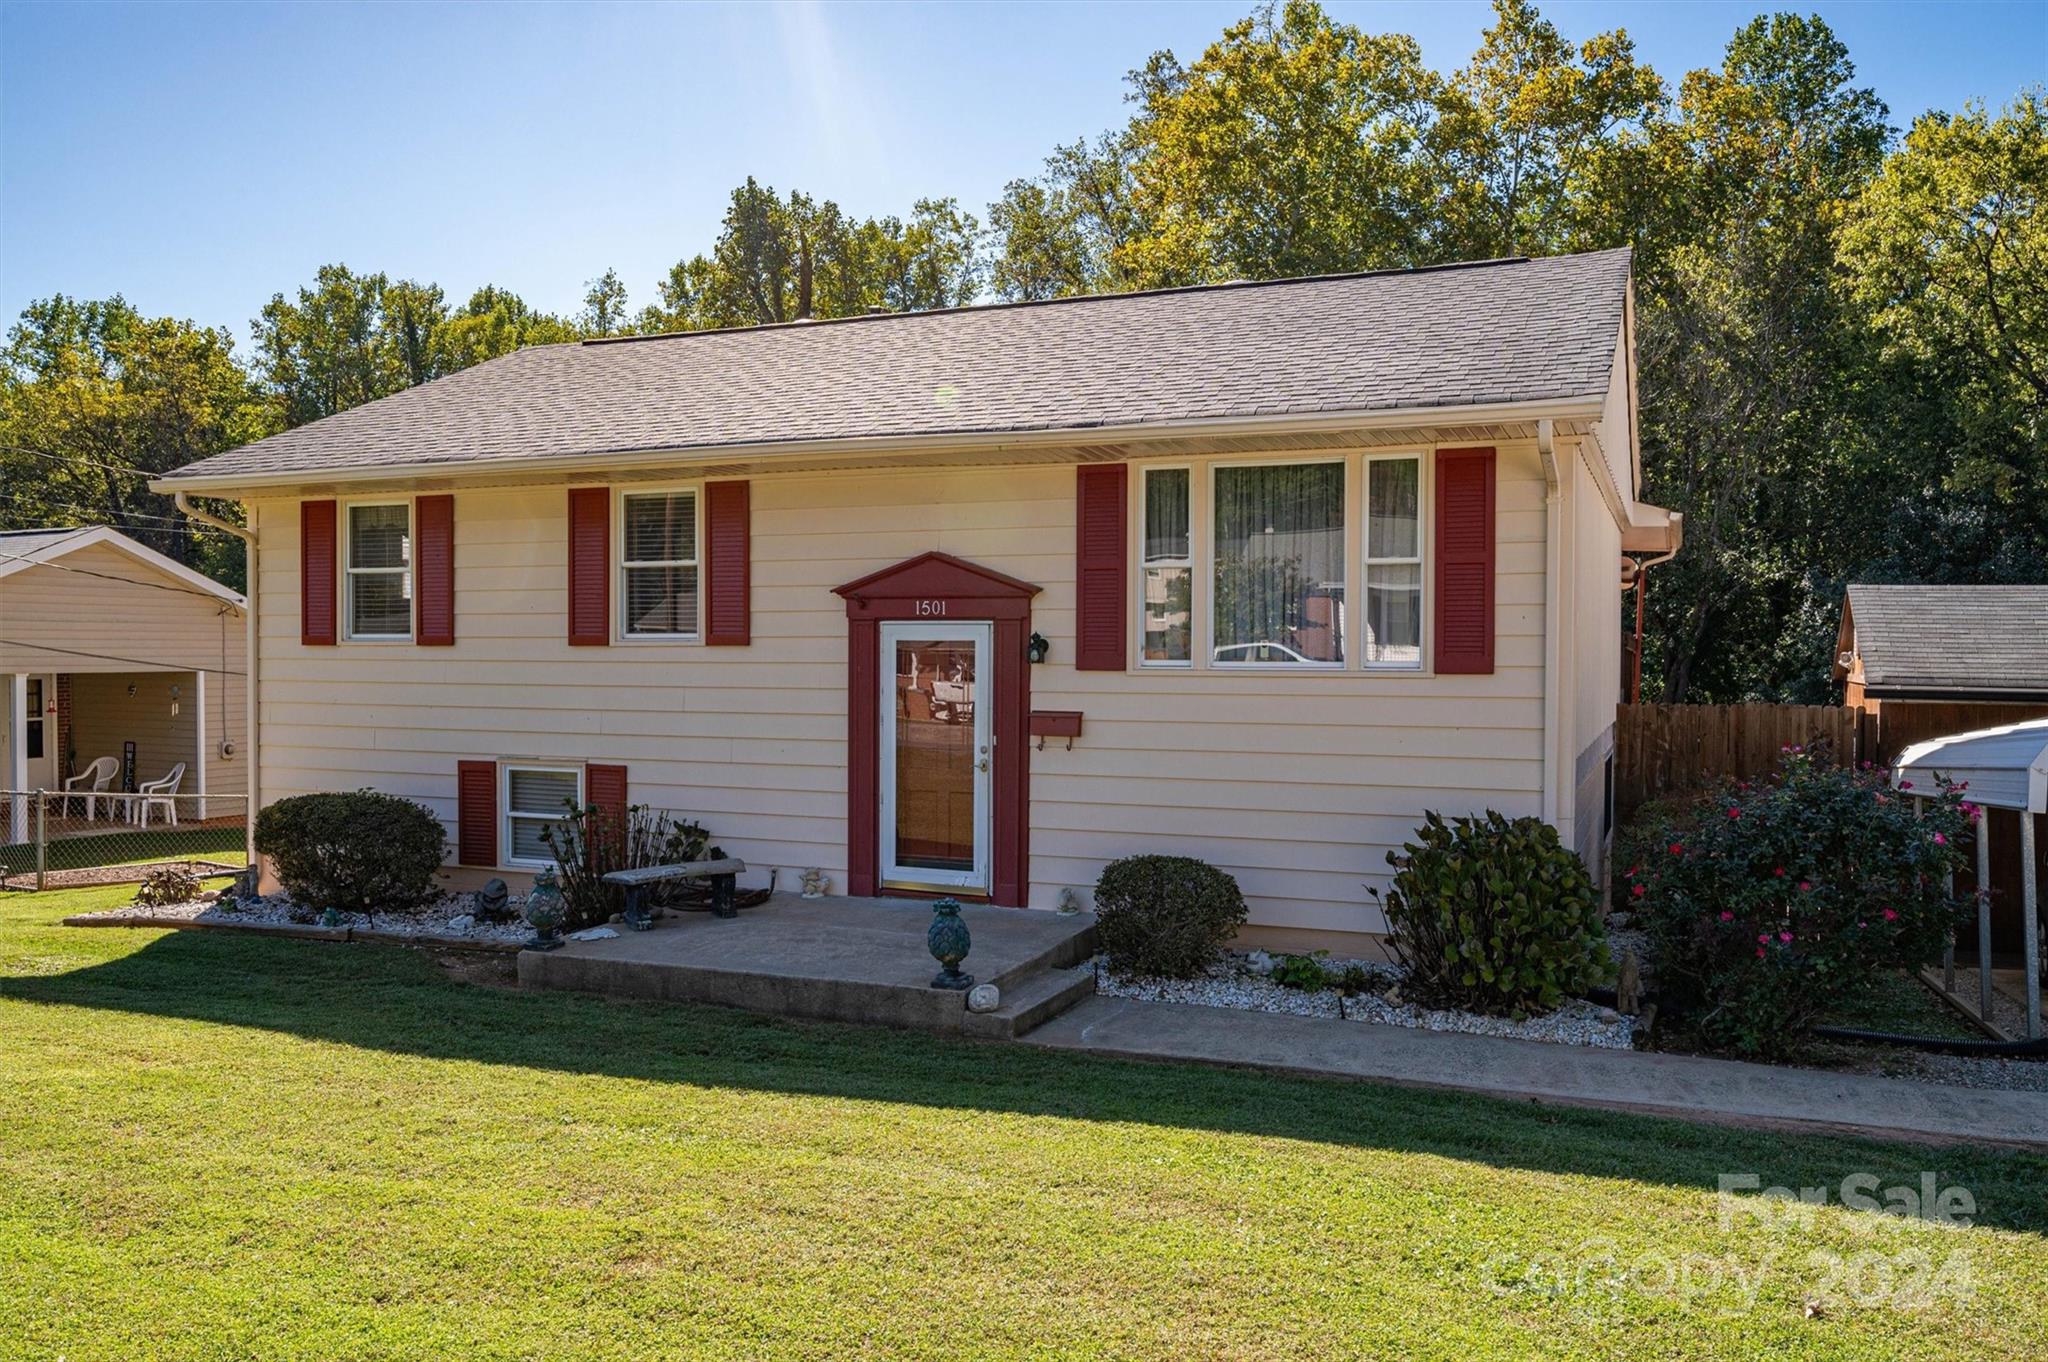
(1769, 903)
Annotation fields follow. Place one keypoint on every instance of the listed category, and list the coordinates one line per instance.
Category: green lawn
(137, 846)
(213, 1146)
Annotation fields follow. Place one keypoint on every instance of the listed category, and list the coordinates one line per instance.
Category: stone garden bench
(723, 874)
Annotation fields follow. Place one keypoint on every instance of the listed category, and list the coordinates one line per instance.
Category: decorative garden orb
(948, 940)
(544, 912)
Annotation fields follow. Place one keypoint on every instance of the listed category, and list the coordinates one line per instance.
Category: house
(978, 600)
(113, 652)
(1927, 661)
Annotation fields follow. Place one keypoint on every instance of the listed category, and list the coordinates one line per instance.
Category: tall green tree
(95, 398)
(494, 322)
(1519, 127)
(1750, 363)
(604, 305)
(325, 350)
(1291, 147)
(1947, 250)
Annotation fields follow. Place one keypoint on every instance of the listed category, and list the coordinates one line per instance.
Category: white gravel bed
(1238, 980)
(1974, 1071)
(450, 917)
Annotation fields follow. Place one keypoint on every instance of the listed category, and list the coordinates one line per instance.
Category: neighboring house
(110, 649)
(1929, 661)
(1305, 558)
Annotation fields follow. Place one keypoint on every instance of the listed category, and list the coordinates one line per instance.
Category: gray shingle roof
(1969, 640)
(1501, 331)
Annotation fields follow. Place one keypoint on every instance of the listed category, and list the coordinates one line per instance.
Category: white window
(658, 583)
(1166, 580)
(377, 566)
(1278, 575)
(1393, 562)
(536, 798)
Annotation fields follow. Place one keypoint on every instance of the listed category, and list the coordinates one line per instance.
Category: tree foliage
(1842, 335)
(94, 397)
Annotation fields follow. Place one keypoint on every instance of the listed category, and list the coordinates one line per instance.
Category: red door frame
(940, 588)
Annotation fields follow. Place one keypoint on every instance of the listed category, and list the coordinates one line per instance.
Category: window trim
(1424, 497)
(1188, 561)
(506, 813)
(621, 632)
(1207, 609)
(349, 572)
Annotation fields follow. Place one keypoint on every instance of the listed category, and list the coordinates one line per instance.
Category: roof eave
(1975, 693)
(232, 486)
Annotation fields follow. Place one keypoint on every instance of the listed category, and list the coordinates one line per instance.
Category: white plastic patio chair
(95, 778)
(163, 792)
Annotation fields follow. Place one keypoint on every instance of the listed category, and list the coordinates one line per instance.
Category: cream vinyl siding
(1298, 784)
(173, 631)
(1593, 652)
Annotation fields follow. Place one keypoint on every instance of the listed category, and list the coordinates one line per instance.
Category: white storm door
(935, 755)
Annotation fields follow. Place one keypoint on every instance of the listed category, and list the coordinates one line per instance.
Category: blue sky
(199, 158)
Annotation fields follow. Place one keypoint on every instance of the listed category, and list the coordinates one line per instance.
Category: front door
(935, 741)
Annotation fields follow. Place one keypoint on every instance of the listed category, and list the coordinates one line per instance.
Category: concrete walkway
(1686, 1086)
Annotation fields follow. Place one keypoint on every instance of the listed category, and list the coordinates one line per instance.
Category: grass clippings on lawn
(229, 1146)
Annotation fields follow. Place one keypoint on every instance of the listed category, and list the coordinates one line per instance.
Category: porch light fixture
(1037, 647)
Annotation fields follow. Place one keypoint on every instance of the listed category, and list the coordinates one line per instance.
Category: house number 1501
(931, 608)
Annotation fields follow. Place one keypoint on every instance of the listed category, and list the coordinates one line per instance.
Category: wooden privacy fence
(1668, 749)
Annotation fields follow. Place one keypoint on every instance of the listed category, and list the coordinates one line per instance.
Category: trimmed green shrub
(357, 851)
(1494, 915)
(1166, 915)
(1770, 904)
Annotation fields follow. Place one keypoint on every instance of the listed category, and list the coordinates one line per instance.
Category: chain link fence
(56, 840)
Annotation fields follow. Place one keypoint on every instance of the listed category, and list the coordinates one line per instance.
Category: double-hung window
(537, 798)
(1393, 562)
(377, 566)
(658, 567)
(1277, 583)
(1167, 580)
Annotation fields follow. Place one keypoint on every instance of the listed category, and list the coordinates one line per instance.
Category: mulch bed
(90, 876)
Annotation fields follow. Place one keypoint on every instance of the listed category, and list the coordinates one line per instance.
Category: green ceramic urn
(948, 940)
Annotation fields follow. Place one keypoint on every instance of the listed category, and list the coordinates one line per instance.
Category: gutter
(1553, 626)
(251, 662)
(598, 463)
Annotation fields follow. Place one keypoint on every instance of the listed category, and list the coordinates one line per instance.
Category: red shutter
(476, 813)
(434, 569)
(1100, 553)
(604, 787)
(1464, 560)
(727, 527)
(316, 572)
(590, 566)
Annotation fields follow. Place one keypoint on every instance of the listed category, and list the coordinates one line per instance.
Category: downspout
(1641, 583)
(1553, 621)
(249, 663)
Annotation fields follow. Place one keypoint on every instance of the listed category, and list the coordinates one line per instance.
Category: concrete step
(1061, 954)
(1032, 1000)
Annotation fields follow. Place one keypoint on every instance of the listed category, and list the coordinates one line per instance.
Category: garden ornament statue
(544, 912)
(814, 881)
(948, 940)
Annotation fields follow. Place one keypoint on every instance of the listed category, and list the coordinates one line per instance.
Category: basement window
(536, 799)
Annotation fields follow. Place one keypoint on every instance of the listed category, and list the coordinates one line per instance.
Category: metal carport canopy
(2005, 767)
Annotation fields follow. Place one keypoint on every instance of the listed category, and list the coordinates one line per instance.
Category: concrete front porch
(837, 959)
